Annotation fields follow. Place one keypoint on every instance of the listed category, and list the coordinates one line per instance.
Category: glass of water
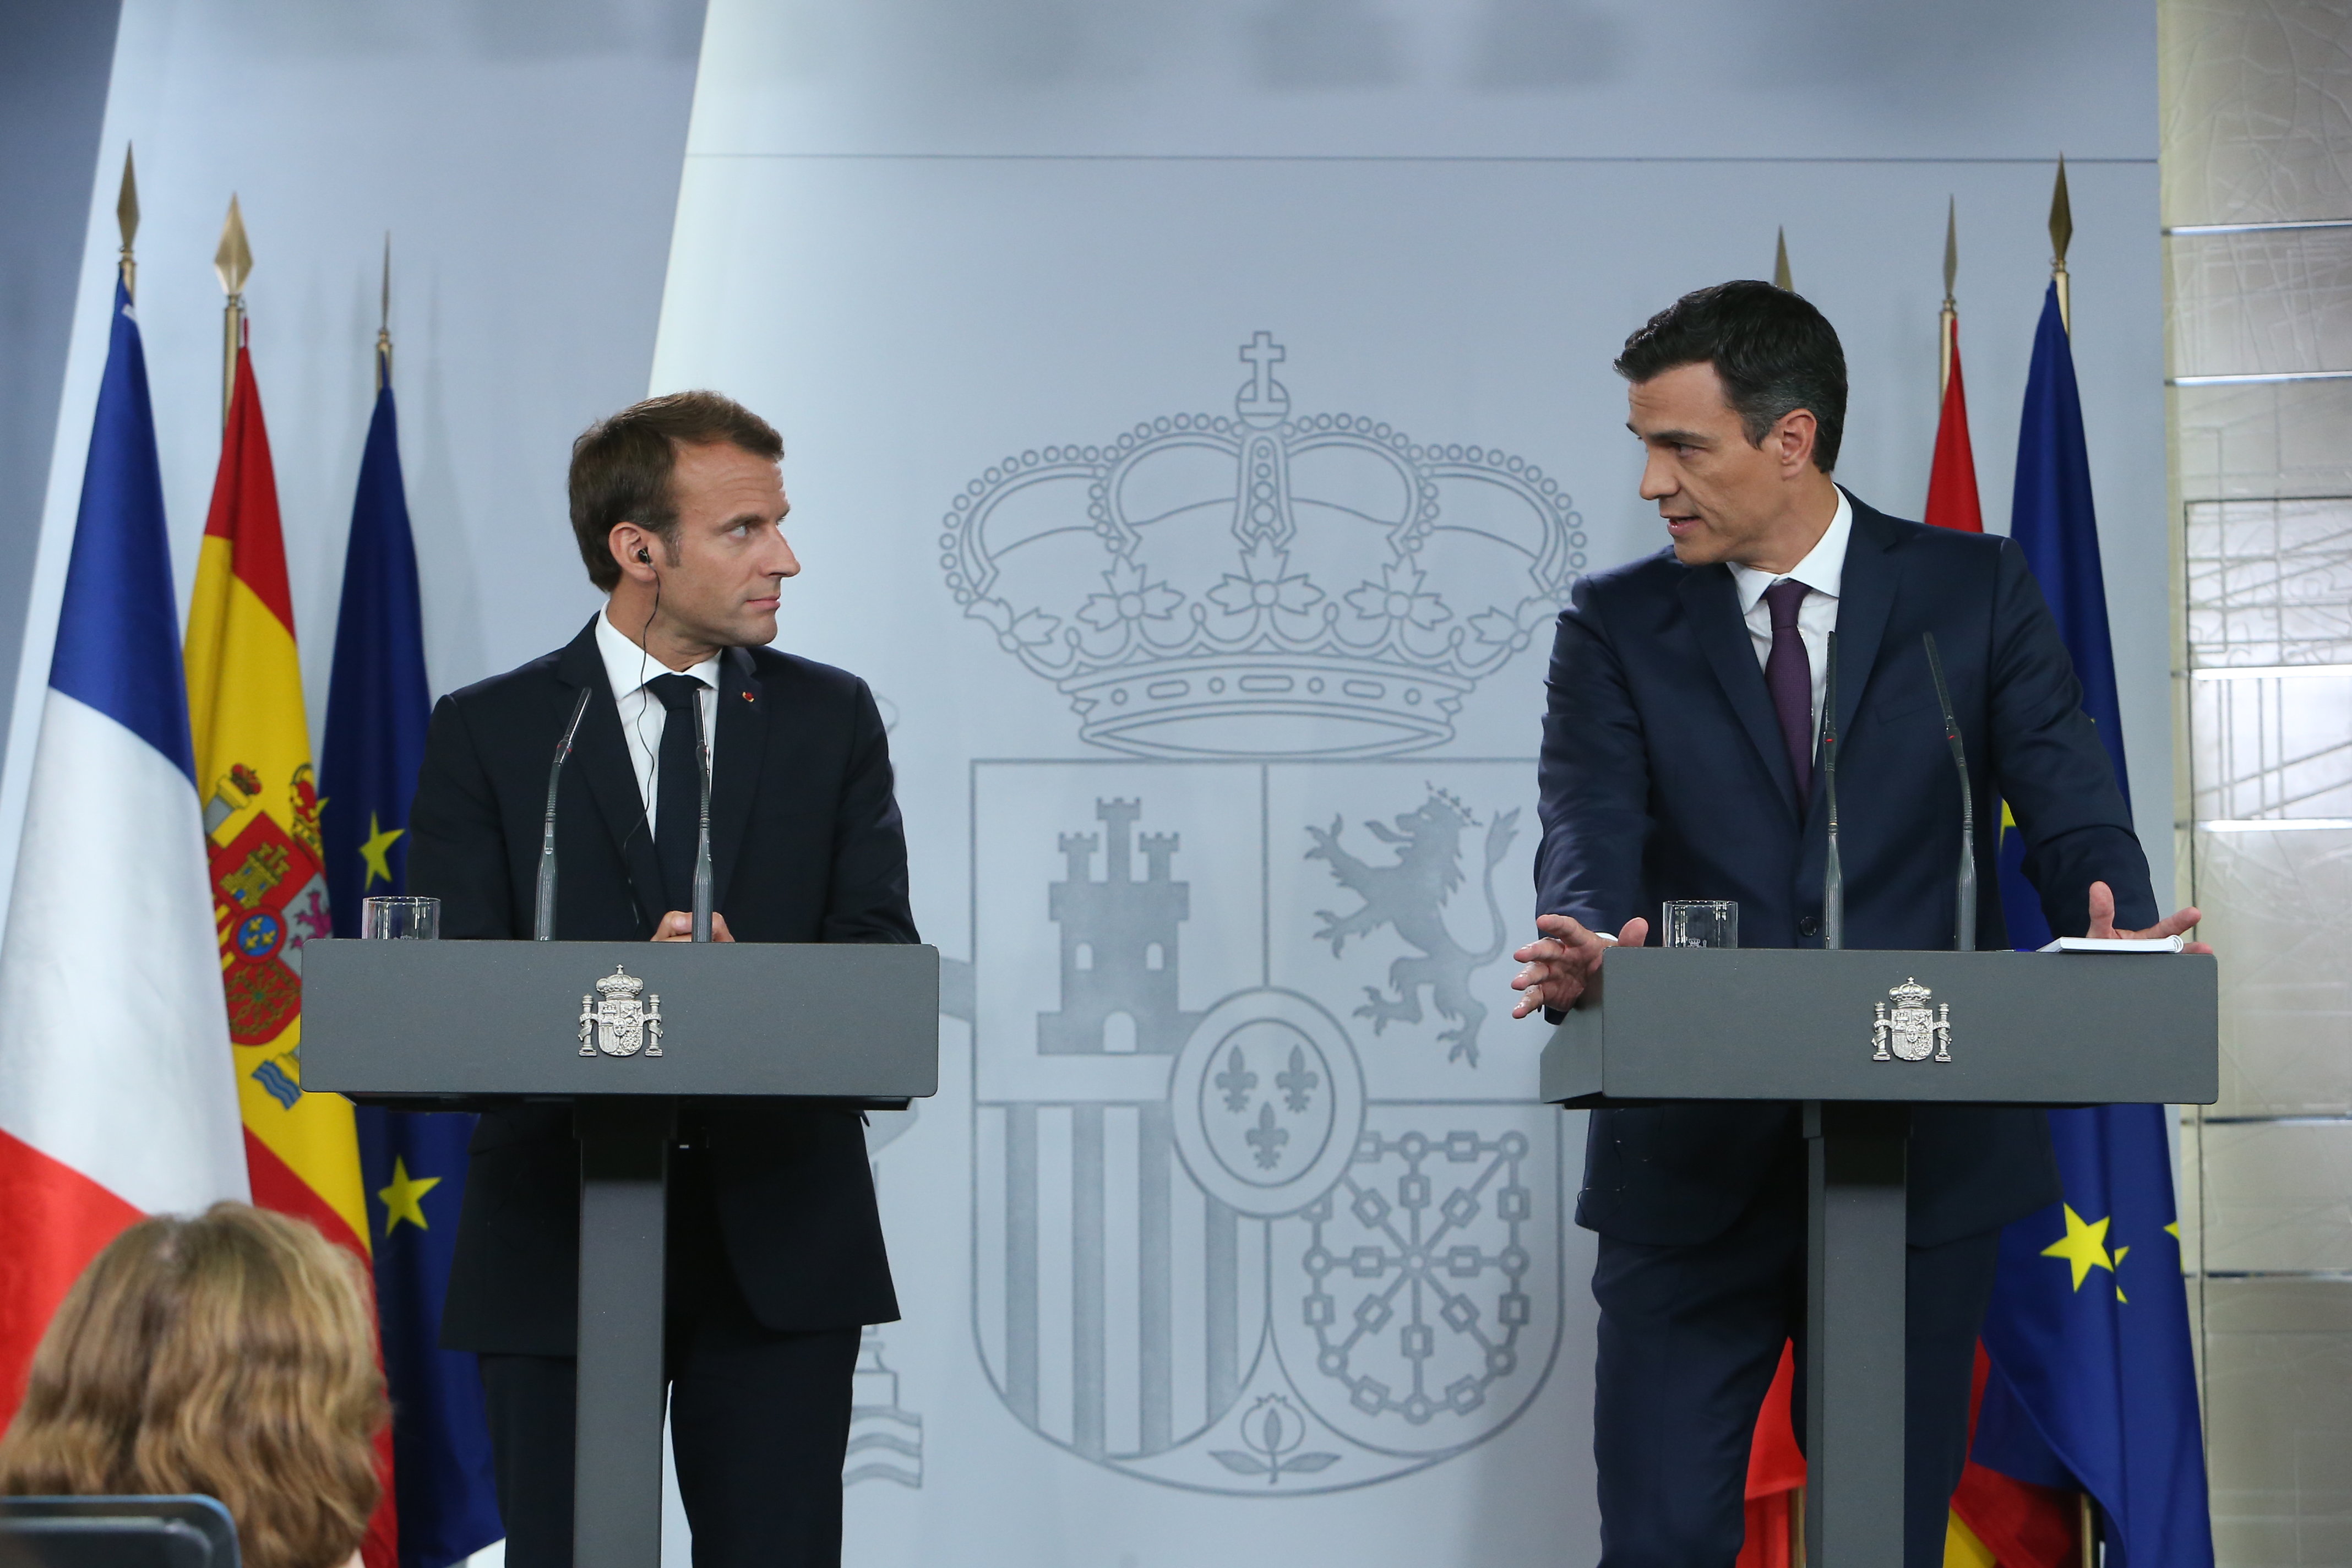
(1700, 923)
(401, 918)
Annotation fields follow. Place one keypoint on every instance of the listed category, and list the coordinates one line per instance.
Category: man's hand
(678, 926)
(2102, 922)
(1560, 963)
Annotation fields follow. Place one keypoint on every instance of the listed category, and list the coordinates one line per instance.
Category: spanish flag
(261, 826)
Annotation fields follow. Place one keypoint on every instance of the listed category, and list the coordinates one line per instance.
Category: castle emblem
(615, 1022)
(1262, 584)
(1913, 1029)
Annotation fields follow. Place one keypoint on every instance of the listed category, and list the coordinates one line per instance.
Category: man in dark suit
(1678, 762)
(775, 1245)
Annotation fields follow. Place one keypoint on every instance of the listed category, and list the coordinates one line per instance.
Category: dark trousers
(1690, 1337)
(759, 1419)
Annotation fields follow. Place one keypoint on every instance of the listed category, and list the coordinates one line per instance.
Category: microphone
(702, 834)
(1964, 929)
(1832, 871)
(543, 921)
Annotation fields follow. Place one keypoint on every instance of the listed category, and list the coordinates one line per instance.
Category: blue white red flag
(117, 1094)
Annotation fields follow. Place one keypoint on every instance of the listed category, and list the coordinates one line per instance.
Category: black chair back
(116, 1532)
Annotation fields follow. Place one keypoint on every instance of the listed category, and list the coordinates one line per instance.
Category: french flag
(117, 1098)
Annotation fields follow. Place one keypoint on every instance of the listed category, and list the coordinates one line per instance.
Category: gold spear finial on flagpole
(1781, 261)
(1948, 320)
(126, 214)
(383, 320)
(234, 263)
(2061, 233)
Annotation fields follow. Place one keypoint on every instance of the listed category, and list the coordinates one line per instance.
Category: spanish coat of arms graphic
(1253, 1213)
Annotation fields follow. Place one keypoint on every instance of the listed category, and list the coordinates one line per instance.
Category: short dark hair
(1775, 352)
(622, 465)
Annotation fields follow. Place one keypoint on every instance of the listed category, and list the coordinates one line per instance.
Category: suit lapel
(1866, 592)
(740, 746)
(601, 755)
(1712, 602)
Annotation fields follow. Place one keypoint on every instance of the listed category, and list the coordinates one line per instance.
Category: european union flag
(413, 1164)
(2052, 520)
(2093, 1387)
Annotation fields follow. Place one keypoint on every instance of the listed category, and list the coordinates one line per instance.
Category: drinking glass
(400, 919)
(1700, 923)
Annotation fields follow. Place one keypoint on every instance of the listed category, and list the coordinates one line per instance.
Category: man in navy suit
(775, 1245)
(1678, 762)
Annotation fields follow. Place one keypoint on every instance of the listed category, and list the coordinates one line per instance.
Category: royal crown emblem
(1262, 584)
(1913, 1029)
(615, 1022)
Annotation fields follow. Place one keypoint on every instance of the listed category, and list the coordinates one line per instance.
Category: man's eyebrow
(1672, 437)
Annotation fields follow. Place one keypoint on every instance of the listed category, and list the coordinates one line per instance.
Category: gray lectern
(623, 1031)
(1856, 1038)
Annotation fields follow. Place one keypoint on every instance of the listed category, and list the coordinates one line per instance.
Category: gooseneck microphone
(1963, 927)
(1832, 870)
(543, 920)
(702, 833)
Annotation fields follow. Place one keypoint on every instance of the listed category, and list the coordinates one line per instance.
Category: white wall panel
(972, 259)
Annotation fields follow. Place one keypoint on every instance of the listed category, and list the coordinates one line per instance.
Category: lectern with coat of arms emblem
(473, 1025)
(1856, 1038)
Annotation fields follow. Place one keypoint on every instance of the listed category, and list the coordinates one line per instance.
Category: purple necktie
(1789, 676)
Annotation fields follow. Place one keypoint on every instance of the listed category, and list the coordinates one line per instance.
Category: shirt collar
(629, 667)
(1821, 570)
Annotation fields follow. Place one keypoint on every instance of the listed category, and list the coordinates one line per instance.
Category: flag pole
(1948, 320)
(233, 262)
(2062, 234)
(126, 214)
(1781, 261)
(383, 321)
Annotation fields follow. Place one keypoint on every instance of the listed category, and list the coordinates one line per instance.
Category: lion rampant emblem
(1410, 896)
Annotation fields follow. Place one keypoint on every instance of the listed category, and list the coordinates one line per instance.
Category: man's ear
(1792, 441)
(633, 549)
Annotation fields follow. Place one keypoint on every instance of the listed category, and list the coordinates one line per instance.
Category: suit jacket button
(1809, 926)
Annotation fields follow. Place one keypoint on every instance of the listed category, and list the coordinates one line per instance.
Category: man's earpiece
(647, 556)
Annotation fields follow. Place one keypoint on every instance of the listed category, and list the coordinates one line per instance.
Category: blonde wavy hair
(231, 1354)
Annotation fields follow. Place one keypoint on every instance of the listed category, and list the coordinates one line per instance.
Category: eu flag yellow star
(400, 1199)
(2083, 1246)
(379, 844)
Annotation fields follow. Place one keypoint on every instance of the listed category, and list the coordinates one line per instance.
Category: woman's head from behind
(230, 1355)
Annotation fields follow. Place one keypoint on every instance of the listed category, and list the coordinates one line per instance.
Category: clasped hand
(1560, 961)
(678, 926)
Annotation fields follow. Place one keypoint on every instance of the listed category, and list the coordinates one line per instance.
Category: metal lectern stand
(1856, 1038)
(622, 1032)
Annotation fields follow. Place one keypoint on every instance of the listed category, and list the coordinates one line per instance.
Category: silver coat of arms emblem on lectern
(1913, 1030)
(615, 1022)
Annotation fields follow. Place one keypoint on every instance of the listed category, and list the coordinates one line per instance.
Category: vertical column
(1854, 1300)
(1086, 1338)
(1021, 1260)
(617, 1508)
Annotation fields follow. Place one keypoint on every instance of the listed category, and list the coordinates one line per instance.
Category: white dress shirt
(629, 667)
(1822, 571)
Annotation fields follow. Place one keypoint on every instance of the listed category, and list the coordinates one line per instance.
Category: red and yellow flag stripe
(261, 825)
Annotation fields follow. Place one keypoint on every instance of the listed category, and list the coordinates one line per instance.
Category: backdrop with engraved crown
(1195, 419)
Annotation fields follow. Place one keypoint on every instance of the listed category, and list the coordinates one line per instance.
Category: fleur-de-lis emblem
(1297, 1082)
(1237, 1081)
(1266, 1139)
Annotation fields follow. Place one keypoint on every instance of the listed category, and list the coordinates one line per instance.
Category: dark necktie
(1789, 676)
(677, 804)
